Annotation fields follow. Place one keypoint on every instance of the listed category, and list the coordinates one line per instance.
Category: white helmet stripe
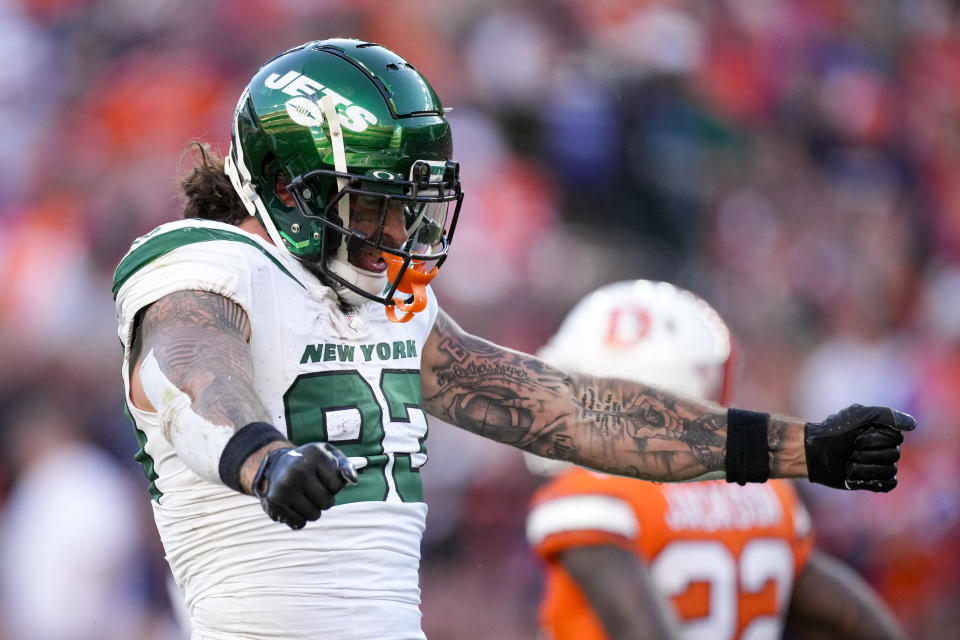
(339, 164)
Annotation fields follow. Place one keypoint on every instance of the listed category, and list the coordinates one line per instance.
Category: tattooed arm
(608, 424)
(831, 601)
(199, 340)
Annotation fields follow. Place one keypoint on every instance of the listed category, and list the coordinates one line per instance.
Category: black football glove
(856, 448)
(296, 485)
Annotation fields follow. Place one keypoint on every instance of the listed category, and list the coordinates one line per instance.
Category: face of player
(365, 216)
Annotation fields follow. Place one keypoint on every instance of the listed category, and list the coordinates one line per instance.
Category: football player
(282, 347)
(632, 559)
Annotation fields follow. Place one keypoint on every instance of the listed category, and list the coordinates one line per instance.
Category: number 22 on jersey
(381, 430)
(716, 591)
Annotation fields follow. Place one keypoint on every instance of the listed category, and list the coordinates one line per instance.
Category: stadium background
(795, 162)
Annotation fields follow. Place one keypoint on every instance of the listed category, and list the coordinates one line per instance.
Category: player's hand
(857, 448)
(296, 485)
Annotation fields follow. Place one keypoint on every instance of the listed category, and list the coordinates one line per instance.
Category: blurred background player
(733, 561)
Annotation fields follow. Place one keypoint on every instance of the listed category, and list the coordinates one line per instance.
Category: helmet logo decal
(305, 112)
(628, 327)
(293, 83)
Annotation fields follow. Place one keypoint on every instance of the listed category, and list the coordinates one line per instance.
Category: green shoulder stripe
(162, 244)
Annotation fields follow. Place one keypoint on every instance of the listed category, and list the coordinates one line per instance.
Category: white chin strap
(369, 281)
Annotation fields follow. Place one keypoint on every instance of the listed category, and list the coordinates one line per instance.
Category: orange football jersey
(726, 556)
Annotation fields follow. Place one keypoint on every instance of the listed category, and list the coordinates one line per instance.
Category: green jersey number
(383, 440)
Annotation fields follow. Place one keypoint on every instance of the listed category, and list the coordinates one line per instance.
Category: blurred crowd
(794, 162)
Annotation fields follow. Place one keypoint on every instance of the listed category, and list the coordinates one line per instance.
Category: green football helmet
(337, 122)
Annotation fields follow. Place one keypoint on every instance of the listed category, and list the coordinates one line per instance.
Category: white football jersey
(352, 380)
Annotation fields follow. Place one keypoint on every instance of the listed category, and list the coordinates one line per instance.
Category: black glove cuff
(241, 446)
(748, 453)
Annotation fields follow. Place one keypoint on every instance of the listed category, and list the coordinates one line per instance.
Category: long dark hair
(208, 190)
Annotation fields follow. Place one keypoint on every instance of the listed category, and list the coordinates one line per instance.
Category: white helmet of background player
(651, 332)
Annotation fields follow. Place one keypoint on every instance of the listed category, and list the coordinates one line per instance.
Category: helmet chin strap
(369, 281)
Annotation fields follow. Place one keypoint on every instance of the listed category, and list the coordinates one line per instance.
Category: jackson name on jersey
(725, 556)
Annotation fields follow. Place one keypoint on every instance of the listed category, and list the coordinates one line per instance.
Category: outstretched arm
(607, 424)
(635, 430)
(831, 601)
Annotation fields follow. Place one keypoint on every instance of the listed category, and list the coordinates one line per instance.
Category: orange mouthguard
(414, 281)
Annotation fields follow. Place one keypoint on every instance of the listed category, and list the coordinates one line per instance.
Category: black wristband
(748, 453)
(241, 446)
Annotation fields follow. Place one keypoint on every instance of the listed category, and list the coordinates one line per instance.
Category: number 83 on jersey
(381, 428)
